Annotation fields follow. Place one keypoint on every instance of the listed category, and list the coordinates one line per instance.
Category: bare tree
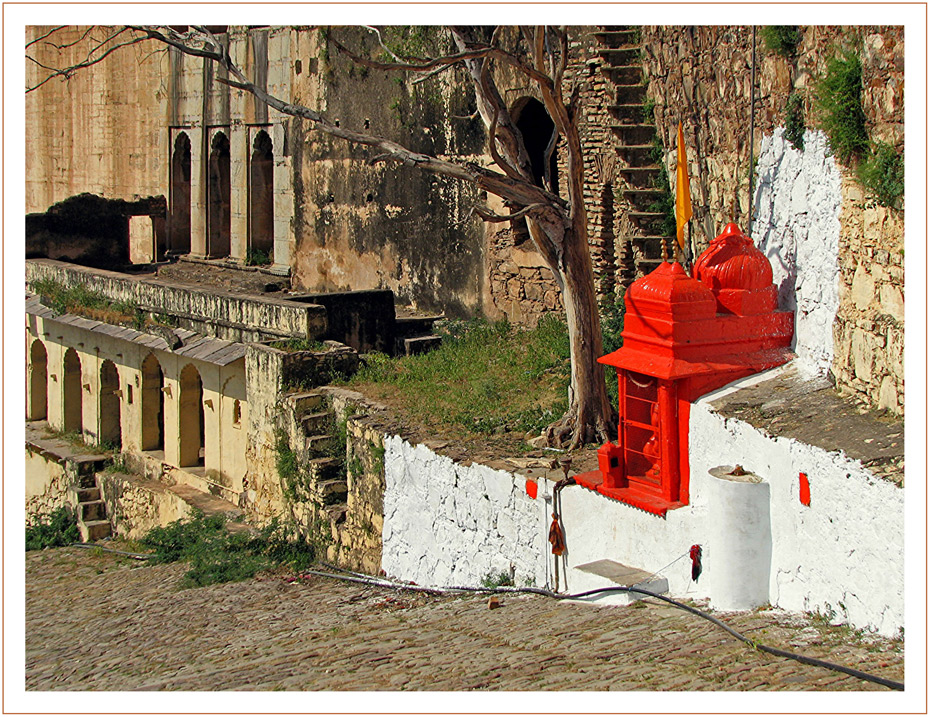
(558, 226)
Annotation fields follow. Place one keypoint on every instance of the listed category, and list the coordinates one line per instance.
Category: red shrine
(684, 337)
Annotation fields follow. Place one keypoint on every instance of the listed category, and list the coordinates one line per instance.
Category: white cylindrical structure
(738, 557)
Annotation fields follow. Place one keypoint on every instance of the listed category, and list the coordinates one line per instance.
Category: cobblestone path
(98, 622)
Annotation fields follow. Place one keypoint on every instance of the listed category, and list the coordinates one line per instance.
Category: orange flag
(682, 190)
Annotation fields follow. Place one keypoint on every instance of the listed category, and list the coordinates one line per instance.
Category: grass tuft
(838, 101)
(781, 39)
(882, 175)
(52, 530)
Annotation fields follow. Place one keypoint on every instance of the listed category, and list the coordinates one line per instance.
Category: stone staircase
(415, 335)
(91, 511)
(322, 454)
(643, 243)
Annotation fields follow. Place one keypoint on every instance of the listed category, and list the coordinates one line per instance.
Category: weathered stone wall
(135, 505)
(104, 130)
(47, 482)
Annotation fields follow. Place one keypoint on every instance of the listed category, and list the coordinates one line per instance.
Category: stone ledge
(811, 411)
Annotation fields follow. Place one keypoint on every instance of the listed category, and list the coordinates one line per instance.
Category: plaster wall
(450, 524)
(47, 483)
(797, 226)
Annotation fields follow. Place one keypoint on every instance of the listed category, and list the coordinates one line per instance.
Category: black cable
(137, 556)
(859, 674)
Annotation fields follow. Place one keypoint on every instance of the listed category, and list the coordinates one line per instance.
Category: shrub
(794, 121)
(838, 100)
(52, 530)
(882, 175)
(781, 39)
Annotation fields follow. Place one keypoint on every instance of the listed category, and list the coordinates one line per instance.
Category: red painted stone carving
(682, 338)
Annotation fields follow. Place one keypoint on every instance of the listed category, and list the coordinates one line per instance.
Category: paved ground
(99, 622)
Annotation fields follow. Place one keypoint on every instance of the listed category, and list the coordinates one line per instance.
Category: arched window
(179, 241)
(261, 196)
(153, 405)
(191, 423)
(73, 400)
(218, 198)
(37, 409)
(110, 405)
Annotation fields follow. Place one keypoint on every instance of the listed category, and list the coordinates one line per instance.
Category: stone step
(617, 38)
(322, 443)
(625, 75)
(629, 92)
(628, 112)
(609, 573)
(92, 510)
(317, 423)
(88, 495)
(332, 492)
(323, 469)
(304, 402)
(93, 530)
(421, 344)
(410, 326)
(620, 56)
(646, 216)
(634, 133)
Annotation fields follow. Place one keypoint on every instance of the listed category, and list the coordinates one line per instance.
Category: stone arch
(191, 418)
(110, 405)
(37, 408)
(218, 198)
(537, 127)
(153, 405)
(261, 195)
(179, 241)
(72, 403)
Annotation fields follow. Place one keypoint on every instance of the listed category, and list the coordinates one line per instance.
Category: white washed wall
(797, 226)
(447, 524)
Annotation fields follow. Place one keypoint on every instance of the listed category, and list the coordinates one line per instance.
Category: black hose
(859, 674)
(137, 556)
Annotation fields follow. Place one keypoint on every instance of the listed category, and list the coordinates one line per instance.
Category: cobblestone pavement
(99, 622)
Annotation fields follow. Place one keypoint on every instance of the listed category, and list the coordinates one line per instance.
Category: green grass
(298, 345)
(838, 102)
(52, 530)
(81, 301)
(257, 257)
(486, 378)
(219, 556)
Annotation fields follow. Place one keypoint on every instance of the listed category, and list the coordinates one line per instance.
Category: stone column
(239, 191)
(198, 192)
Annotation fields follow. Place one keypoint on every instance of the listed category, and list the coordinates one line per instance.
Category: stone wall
(868, 334)
(47, 482)
(135, 504)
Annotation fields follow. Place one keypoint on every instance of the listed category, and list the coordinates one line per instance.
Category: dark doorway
(110, 405)
(38, 382)
(153, 405)
(191, 428)
(218, 199)
(179, 241)
(73, 400)
(261, 197)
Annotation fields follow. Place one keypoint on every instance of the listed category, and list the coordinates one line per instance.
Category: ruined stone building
(150, 157)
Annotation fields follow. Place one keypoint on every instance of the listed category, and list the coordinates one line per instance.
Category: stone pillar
(284, 236)
(239, 191)
(198, 191)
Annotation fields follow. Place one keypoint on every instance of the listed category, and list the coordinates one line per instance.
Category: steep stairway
(323, 455)
(644, 242)
(91, 512)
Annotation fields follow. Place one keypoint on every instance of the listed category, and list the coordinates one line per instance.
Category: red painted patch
(532, 489)
(805, 489)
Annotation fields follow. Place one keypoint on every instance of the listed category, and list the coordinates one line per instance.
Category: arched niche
(261, 195)
(37, 408)
(153, 405)
(73, 408)
(110, 405)
(179, 241)
(218, 198)
(190, 418)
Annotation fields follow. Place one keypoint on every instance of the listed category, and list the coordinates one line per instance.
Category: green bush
(882, 175)
(838, 101)
(781, 39)
(794, 121)
(52, 530)
(219, 556)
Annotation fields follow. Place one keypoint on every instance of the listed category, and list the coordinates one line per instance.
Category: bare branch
(48, 34)
(489, 216)
(68, 72)
(372, 28)
(72, 44)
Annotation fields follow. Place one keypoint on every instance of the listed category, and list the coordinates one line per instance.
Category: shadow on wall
(91, 230)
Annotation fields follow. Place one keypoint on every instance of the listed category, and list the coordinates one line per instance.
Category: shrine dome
(738, 274)
(732, 261)
(669, 290)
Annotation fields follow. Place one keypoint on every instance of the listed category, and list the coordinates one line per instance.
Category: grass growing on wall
(882, 175)
(838, 100)
(781, 39)
(794, 121)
